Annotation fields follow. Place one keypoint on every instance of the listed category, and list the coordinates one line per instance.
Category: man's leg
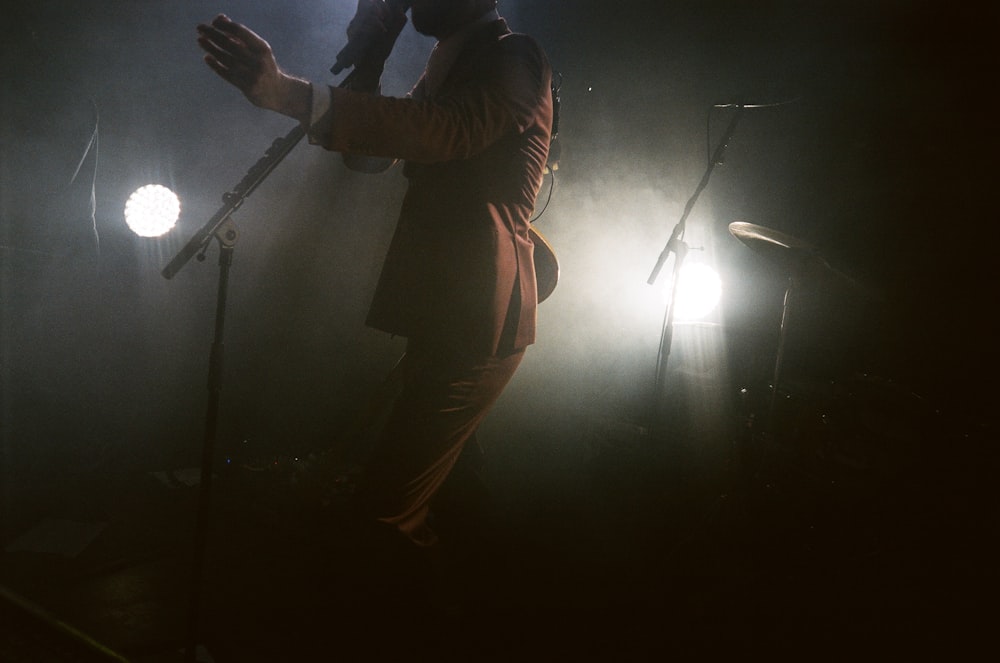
(443, 400)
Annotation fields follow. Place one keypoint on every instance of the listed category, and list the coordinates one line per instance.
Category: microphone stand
(222, 227)
(679, 247)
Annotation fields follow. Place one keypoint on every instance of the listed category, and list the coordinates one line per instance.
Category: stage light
(699, 289)
(152, 210)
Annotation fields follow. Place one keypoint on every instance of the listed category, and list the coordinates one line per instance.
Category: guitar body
(546, 265)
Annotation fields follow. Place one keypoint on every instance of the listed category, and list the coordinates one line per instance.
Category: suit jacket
(459, 270)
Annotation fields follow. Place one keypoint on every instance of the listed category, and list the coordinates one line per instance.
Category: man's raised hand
(244, 59)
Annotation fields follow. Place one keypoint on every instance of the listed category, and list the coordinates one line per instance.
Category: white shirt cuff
(320, 103)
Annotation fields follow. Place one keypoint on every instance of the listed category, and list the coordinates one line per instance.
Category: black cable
(548, 199)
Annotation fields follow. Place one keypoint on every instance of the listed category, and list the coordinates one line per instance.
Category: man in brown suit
(458, 281)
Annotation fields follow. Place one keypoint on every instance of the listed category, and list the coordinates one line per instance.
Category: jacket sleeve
(500, 96)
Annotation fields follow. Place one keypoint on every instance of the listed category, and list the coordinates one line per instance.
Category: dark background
(883, 159)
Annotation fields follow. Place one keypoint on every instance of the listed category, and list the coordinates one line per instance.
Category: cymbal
(772, 244)
(796, 256)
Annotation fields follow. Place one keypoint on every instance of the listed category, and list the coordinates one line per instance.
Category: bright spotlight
(152, 210)
(699, 289)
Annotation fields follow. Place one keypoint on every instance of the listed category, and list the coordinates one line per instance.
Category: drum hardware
(802, 263)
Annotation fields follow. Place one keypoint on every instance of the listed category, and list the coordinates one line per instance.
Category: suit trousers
(444, 397)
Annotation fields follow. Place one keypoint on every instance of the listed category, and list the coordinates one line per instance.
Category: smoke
(313, 235)
(109, 359)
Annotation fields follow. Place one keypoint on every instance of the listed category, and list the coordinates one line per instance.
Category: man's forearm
(294, 100)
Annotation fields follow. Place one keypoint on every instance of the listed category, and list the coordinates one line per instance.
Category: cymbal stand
(793, 282)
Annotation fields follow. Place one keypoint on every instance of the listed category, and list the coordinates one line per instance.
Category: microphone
(357, 48)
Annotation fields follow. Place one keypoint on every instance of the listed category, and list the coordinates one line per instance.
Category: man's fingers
(242, 58)
(241, 78)
(224, 53)
(228, 54)
(208, 36)
(253, 42)
(376, 7)
(239, 69)
(218, 67)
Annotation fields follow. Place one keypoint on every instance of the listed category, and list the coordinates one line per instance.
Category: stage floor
(642, 553)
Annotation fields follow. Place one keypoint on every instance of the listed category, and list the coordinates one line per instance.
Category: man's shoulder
(498, 36)
(518, 44)
(519, 40)
(496, 55)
